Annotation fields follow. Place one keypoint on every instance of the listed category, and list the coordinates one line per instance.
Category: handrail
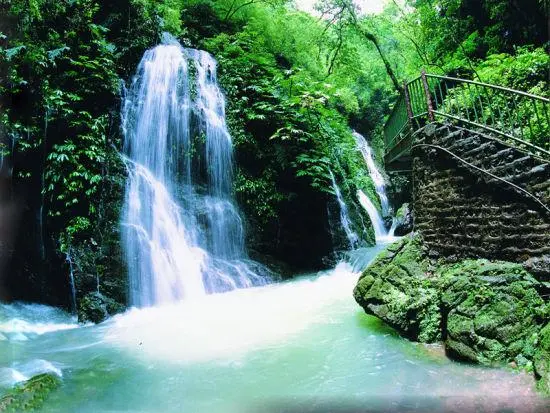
(514, 115)
(516, 187)
(473, 82)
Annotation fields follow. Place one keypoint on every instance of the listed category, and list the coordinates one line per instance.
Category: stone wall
(463, 212)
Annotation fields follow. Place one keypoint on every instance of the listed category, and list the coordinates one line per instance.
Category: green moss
(30, 395)
(397, 289)
(542, 359)
(491, 307)
(400, 214)
(96, 307)
(487, 312)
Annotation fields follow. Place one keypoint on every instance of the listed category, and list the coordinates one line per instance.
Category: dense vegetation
(295, 83)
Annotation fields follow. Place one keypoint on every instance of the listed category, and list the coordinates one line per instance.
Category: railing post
(408, 101)
(429, 102)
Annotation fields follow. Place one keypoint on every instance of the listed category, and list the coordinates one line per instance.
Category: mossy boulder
(492, 311)
(30, 395)
(398, 288)
(404, 220)
(542, 360)
(96, 307)
(485, 312)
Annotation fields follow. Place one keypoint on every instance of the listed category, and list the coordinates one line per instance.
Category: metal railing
(520, 118)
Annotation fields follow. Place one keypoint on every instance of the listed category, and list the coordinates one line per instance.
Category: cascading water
(380, 231)
(374, 173)
(352, 237)
(182, 232)
(71, 282)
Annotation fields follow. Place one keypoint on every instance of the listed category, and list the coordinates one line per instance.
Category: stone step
(470, 154)
(503, 157)
(514, 167)
(538, 174)
(465, 144)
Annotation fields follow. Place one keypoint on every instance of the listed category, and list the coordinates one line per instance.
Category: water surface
(298, 346)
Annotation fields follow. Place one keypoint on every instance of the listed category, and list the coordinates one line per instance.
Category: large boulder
(398, 288)
(493, 311)
(485, 312)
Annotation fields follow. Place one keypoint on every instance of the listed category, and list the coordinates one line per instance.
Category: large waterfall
(380, 231)
(182, 232)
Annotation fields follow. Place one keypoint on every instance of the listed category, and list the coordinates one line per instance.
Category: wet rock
(488, 312)
(397, 288)
(493, 311)
(539, 267)
(96, 307)
(388, 222)
(404, 220)
(30, 395)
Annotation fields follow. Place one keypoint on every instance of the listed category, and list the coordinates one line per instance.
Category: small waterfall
(381, 234)
(353, 239)
(182, 232)
(71, 282)
(380, 231)
(375, 174)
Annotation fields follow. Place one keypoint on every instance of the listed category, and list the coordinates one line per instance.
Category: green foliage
(513, 113)
(295, 86)
(69, 71)
(454, 34)
(285, 117)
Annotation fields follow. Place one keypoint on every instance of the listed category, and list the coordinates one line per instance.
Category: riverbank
(491, 313)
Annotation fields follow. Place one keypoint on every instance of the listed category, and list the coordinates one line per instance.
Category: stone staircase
(476, 196)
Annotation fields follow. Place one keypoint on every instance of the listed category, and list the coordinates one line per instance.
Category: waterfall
(353, 239)
(374, 173)
(380, 232)
(71, 282)
(182, 232)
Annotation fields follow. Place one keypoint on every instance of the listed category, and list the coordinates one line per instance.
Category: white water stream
(352, 237)
(182, 232)
(381, 233)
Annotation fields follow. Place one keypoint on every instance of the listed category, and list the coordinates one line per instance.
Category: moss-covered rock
(404, 220)
(492, 311)
(96, 307)
(398, 288)
(542, 359)
(485, 312)
(30, 395)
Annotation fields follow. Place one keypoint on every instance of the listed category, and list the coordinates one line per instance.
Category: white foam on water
(19, 321)
(10, 376)
(15, 329)
(229, 325)
(23, 371)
